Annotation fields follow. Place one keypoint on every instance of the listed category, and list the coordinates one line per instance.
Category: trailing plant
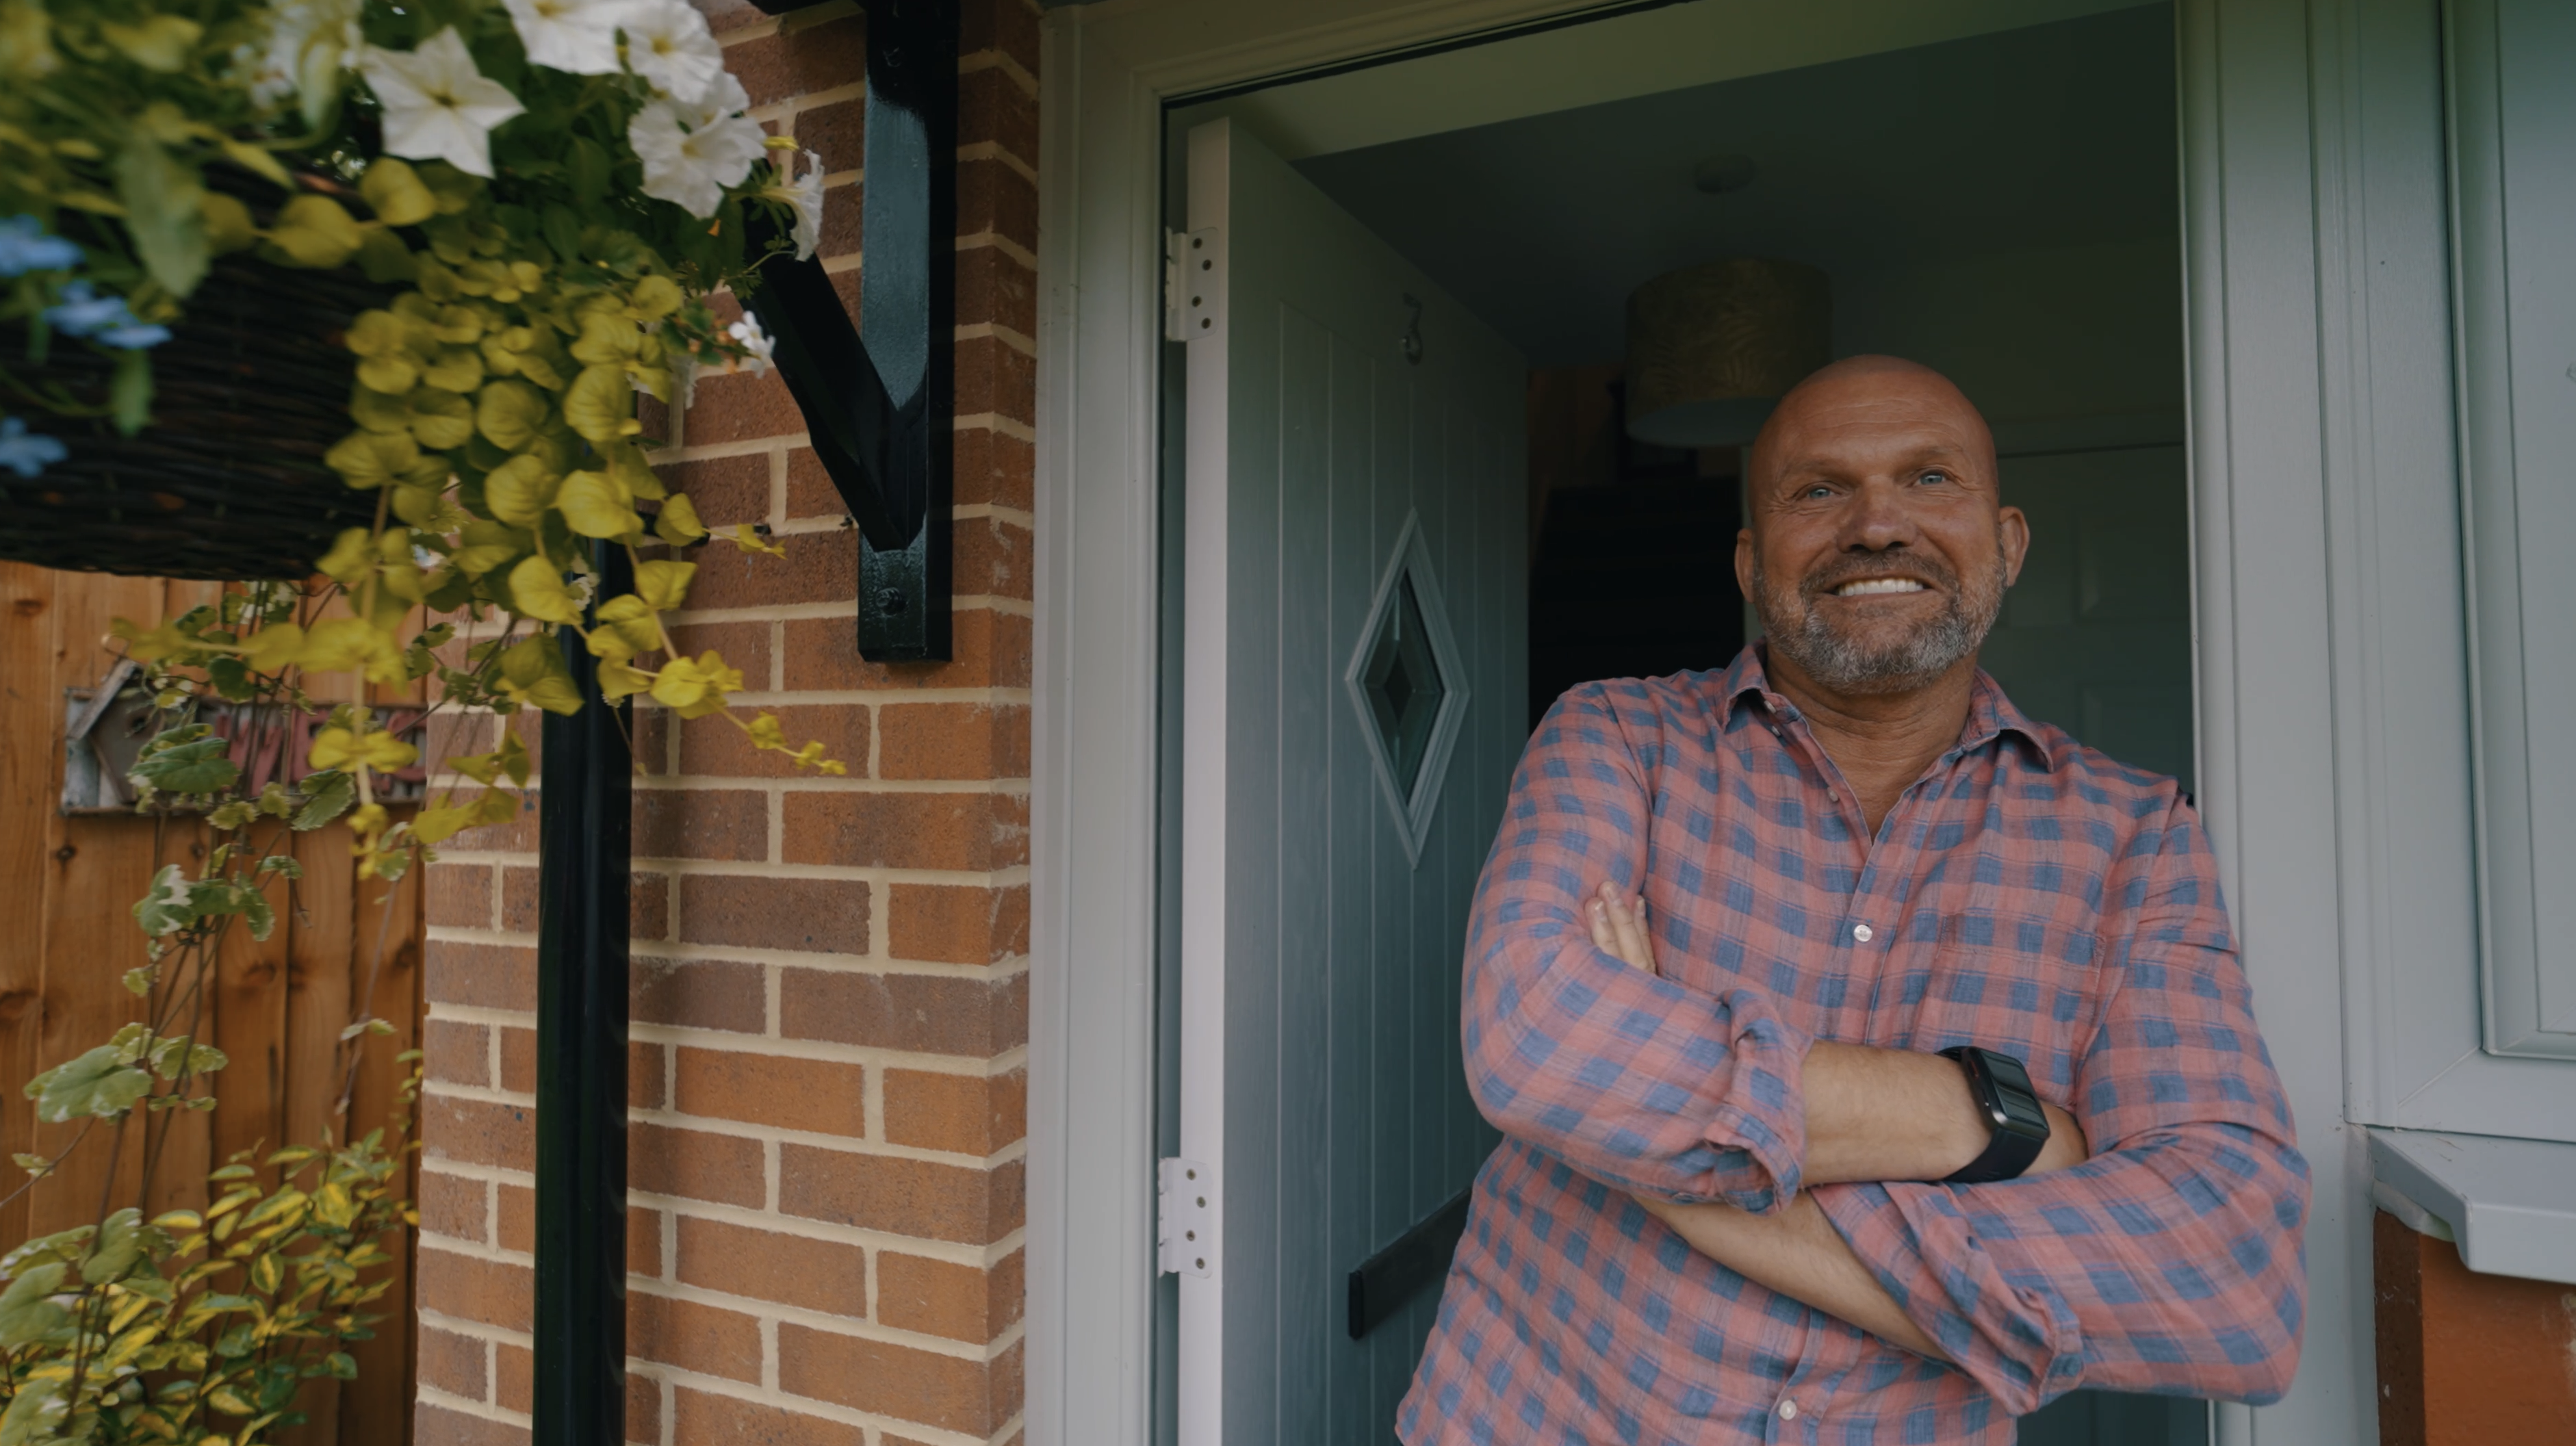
(549, 190)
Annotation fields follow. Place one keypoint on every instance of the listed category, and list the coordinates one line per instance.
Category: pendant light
(1712, 346)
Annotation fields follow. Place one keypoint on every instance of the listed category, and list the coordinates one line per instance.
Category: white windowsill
(2511, 1204)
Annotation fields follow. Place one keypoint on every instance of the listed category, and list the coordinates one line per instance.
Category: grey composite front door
(1352, 691)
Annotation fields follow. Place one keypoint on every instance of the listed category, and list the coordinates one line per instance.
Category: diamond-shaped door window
(1407, 684)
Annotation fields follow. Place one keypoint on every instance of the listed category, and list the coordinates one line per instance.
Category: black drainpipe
(585, 843)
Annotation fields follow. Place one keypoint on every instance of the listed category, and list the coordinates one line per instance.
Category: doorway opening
(2000, 204)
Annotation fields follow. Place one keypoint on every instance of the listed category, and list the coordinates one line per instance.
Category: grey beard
(1846, 665)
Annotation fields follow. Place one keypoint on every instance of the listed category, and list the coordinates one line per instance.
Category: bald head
(1879, 546)
(1882, 396)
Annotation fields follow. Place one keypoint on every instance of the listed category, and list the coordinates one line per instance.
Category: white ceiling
(2050, 135)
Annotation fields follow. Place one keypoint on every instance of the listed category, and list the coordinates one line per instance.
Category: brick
(810, 489)
(818, 567)
(514, 1374)
(695, 1165)
(701, 823)
(518, 836)
(993, 559)
(844, 226)
(992, 651)
(435, 1425)
(971, 832)
(823, 57)
(484, 976)
(920, 1013)
(993, 286)
(837, 132)
(992, 106)
(821, 1275)
(459, 896)
(448, 734)
(993, 196)
(960, 741)
(741, 407)
(701, 1419)
(744, 646)
(958, 923)
(991, 467)
(469, 1288)
(454, 1053)
(716, 747)
(965, 1204)
(725, 490)
(452, 1363)
(943, 1298)
(648, 910)
(724, 15)
(963, 1113)
(699, 994)
(695, 1337)
(762, 1089)
(643, 1409)
(479, 1132)
(643, 1068)
(453, 1206)
(948, 1392)
(822, 916)
(1001, 25)
(994, 376)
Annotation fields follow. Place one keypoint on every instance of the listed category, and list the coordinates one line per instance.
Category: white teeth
(1869, 585)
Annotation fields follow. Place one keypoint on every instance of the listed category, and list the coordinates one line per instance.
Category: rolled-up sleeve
(1628, 1077)
(2171, 1261)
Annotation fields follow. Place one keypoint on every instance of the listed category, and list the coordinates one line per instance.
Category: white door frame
(2256, 76)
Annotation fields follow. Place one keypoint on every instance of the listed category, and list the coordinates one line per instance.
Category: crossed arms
(2167, 1259)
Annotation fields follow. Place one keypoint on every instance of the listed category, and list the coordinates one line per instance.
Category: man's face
(1879, 549)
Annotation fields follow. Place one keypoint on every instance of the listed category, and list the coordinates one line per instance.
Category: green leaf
(533, 673)
(37, 1409)
(170, 907)
(121, 1244)
(139, 981)
(93, 1084)
(164, 213)
(313, 231)
(327, 795)
(26, 1316)
(129, 391)
(193, 767)
(171, 1053)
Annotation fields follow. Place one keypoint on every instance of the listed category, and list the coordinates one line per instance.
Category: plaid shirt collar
(1991, 715)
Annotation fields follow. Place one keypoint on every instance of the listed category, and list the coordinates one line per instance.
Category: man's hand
(1872, 1114)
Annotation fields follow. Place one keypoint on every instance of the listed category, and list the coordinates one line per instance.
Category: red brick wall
(830, 984)
(2468, 1359)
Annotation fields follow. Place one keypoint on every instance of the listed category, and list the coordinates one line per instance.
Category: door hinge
(1185, 1218)
(1193, 284)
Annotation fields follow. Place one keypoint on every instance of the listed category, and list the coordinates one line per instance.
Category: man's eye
(1817, 493)
(1935, 477)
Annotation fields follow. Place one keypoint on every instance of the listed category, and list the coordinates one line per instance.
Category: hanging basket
(228, 482)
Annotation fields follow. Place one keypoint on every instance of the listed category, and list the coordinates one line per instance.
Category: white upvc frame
(2277, 715)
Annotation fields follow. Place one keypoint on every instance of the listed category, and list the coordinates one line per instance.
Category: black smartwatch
(2017, 1127)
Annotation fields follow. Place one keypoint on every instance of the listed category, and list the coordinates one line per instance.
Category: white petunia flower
(577, 37)
(310, 42)
(668, 43)
(692, 164)
(805, 194)
(759, 344)
(437, 106)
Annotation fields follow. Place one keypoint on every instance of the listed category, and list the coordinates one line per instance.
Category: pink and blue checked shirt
(2027, 894)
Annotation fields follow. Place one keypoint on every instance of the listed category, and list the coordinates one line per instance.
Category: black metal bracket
(879, 398)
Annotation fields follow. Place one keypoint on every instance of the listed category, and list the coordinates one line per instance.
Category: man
(1734, 1201)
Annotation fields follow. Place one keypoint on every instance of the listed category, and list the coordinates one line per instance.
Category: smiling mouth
(1875, 586)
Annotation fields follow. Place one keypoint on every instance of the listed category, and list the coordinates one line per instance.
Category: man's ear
(1744, 561)
(2014, 529)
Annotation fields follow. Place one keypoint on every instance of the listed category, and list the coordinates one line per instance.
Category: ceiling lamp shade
(1711, 347)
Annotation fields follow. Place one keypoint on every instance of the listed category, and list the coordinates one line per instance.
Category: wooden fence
(67, 884)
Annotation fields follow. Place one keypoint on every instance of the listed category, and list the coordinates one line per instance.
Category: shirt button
(1863, 932)
(1788, 1410)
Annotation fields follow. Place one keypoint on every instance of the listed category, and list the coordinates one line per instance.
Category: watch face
(2019, 1102)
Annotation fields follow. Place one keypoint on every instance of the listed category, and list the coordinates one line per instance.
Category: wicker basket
(228, 481)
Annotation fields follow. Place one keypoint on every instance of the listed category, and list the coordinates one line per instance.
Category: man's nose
(1877, 519)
